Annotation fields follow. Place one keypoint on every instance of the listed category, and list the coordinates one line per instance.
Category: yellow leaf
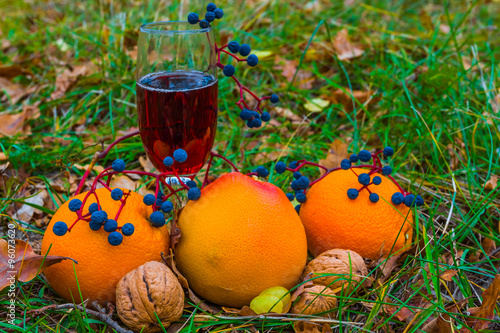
(316, 105)
(262, 54)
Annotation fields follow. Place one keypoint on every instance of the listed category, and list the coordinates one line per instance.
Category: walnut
(151, 288)
(314, 299)
(343, 268)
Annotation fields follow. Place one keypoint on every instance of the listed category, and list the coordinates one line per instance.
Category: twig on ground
(100, 314)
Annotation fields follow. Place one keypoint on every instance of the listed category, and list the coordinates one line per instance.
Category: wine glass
(177, 93)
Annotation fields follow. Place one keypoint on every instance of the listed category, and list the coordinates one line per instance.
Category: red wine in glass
(177, 110)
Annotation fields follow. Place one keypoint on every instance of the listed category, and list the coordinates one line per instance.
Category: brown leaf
(11, 124)
(14, 91)
(448, 275)
(402, 313)
(441, 324)
(12, 71)
(491, 184)
(361, 97)
(289, 67)
(146, 163)
(485, 311)
(488, 246)
(336, 153)
(343, 47)
(19, 262)
(25, 213)
(68, 78)
(122, 181)
(389, 266)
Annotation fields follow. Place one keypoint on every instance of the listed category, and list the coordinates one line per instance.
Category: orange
(333, 221)
(241, 237)
(101, 265)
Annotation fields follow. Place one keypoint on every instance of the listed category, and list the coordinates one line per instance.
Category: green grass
(433, 65)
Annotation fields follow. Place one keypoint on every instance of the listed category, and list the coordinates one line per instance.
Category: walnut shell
(348, 266)
(314, 299)
(151, 288)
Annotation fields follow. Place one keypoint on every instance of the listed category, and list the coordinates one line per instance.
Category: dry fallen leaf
(289, 67)
(343, 47)
(11, 71)
(14, 91)
(491, 184)
(68, 78)
(25, 213)
(22, 265)
(365, 98)
(146, 163)
(485, 311)
(448, 275)
(316, 105)
(11, 124)
(336, 153)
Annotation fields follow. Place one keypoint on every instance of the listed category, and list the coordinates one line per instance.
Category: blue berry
(168, 161)
(345, 164)
(115, 238)
(419, 201)
(228, 70)
(293, 165)
(193, 18)
(209, 16)
(204, 24)
(297, 209)
(180, 155)
(93, 207)
(233, 46)
(99, 217)
(194, 193)
(374, 197)
(211, 7)
(128, 229)
(245, 49)
(191, 183)
(290, 196)
(218, 13)
(159, 202)
(274, 98)
(255, 114)
(364, 155)
(280, 167)
(95, 226)
(397, 198)
(387, 170)
(262, 171)
(303, 182)
(388, 151)
(167, 206)
(149, 199)
(301, 197)
(297, 175)
(409, 200)
(110, 225)
(116, 194)
(118, 165)
(352, 193)
(157, 219)
(353, 158)
(265, 116)
(254, 123)
(60, 228)
(252, 60)
(246, 114)
(377, 180)
(75, 205)
(295, 185)
(364, 179)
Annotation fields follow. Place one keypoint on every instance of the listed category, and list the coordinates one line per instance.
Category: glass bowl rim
(146, 28)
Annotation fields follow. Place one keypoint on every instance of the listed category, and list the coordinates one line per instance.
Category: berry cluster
(365, 179)
(255, 117)
(98, 218)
